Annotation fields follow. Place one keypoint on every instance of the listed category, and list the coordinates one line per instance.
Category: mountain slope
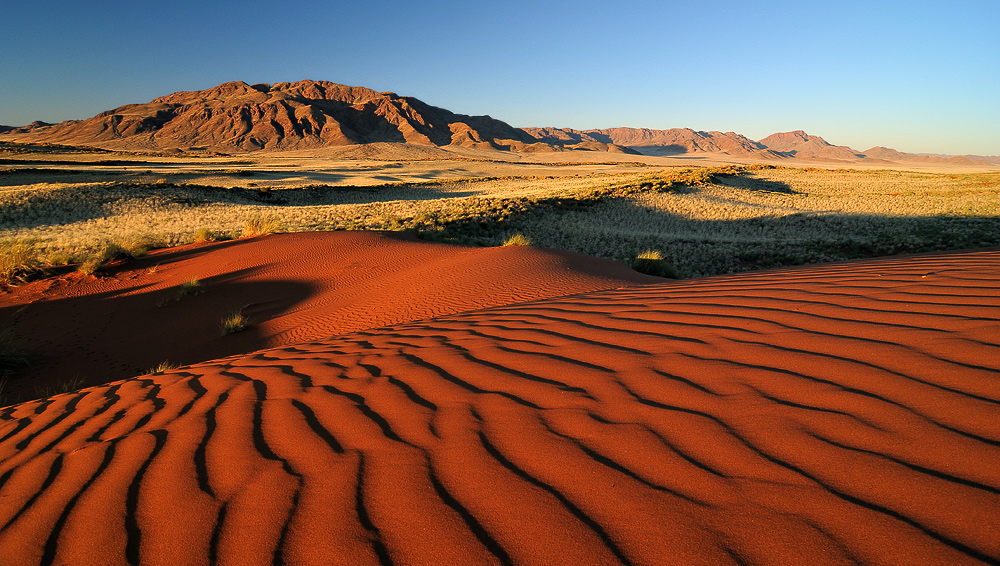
(236, 116)
(801, 144)
(653, 142)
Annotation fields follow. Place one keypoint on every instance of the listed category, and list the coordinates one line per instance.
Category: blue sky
(917, 76)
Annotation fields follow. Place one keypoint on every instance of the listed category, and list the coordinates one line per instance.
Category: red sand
(844, 414)
(293, 287)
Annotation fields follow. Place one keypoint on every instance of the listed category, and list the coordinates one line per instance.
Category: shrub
(517, 239)
(234, 322)
(652, 262)
(260, 225)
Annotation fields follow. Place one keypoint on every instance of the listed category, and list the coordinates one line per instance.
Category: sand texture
(292, 287)
(840, 414)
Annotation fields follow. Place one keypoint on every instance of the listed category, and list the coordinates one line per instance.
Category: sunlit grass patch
(261, 225)
(18, 260)
(205, 235)
(517, 239)
(165, 365)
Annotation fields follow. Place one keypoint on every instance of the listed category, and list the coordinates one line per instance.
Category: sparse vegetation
(191, 287)
(126, 248)
(65, 386)
(165, 365)
(261, 225)
(704, 221)
(517, 239)
(234, 322)
(18, 260)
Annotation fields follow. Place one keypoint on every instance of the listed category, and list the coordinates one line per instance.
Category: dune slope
(845, 414)
(292, 288)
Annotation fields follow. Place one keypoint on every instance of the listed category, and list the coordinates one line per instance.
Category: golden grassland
(702, 221)
(82, 211)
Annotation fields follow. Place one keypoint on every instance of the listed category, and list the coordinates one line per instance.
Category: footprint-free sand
(527, 407)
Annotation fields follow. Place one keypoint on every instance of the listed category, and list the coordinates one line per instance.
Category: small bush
(260, 225)
(517, 239)
(18, 260)
(234, 322)
(652, 262)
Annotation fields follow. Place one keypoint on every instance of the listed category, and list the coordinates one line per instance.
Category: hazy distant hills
(786, 145)
(237, 117)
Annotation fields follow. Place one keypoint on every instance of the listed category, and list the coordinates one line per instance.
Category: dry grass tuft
(517, 239)
(261, 225)
(191, 287)
(18, 260)
(234, 322)
(205, 235)
(165, 365)
(121, 249)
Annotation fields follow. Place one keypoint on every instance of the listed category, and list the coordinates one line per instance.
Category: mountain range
(236, 117)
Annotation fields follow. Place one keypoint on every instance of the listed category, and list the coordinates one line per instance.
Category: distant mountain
(801, 144)
(785, 145)
(238, 117)
(653, 142)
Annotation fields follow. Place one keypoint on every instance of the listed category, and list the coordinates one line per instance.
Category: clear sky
(917, 76)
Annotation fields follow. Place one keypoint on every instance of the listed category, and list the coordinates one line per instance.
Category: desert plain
(697, 358)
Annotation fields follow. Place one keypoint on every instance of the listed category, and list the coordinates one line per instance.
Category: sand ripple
(845, 414)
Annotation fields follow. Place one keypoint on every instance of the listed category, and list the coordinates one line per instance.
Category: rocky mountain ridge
(236, 117)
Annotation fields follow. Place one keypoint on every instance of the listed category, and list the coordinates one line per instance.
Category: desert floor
(399, 401)
(835, 414)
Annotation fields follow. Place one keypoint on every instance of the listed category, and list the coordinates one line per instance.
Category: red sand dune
(844, 414)
(293, 287)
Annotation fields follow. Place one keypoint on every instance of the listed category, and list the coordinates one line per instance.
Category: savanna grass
(703, 220)
(18, 260)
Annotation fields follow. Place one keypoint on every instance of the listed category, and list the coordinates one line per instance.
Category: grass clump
(165, 365)
(116, 250)
(205, 235)
(234, 322)
(517, 239)
(261, 225)
(64, 386)
(18, 260)
(652, 262)
(191, 287)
